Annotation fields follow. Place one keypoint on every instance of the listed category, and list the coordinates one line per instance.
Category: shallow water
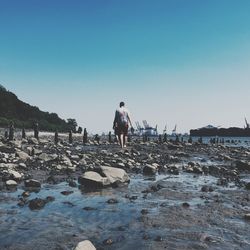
(63, 222)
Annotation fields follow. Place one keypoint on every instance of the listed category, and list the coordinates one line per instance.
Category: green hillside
(25, 115)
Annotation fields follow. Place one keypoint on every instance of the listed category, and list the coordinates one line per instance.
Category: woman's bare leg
(125, 139)
(122, 140)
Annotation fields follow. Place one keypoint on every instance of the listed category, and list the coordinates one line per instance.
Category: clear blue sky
(171, 61)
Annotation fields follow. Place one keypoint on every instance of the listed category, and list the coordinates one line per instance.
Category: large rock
(33, 141)
(22, 166)
(149, 169)
(22, 155)
(85, 245)
(47, 157)
(66, 161)
(33, 151)
(32, 183)
(115, 175)
(15, 175)
(105, 176)
(16, 144)
(11, 183)
(37, 203)
(93, 179)
(7, 166)
(11, 174)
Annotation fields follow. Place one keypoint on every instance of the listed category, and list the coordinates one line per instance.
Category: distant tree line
(25, 115)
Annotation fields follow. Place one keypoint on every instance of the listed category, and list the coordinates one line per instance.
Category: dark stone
(158, 238)
(164, 204)
(121, 228)
(145, 237)
(70, 137)
(51, 179)
(68, 203)
(26, 194)
(190, 140)
(160, 139)
(173, 170)
(112, 201)
(133, 197)
(165, 138)
(56, 137)
(23, 134)
(50, 199)
(85, 136)
(11, 132)
(37, 204)
(36, 131)
(108, 241)
(248, 186)
(32, 183)
(185, 205)
(97, 138)
(207, 189)
(149, 170)
(67, 192)
(89, 208)
(144, 211)
(72, 183)
(6, 135)
(110, 138)
(22, 202)
(156, 187)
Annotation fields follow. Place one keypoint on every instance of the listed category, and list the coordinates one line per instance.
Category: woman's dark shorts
(122, 129)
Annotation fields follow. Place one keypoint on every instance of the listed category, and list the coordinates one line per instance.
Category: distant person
(121, 124)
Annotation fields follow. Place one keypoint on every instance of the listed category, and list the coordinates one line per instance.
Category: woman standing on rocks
(121, 124)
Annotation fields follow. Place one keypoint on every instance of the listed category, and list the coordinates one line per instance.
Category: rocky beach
(150, 195)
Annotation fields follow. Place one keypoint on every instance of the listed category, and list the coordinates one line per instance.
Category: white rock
(75, 157)
(22, 155)
(91, 178)
(66, 161)
(115, 174)
(16, 144)
(85, 245)
(33, 140)
(22, 165)
(10, 183)
(156, 165)
(47, 157)
(7, 165)
(14, 174)
(121, 165)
